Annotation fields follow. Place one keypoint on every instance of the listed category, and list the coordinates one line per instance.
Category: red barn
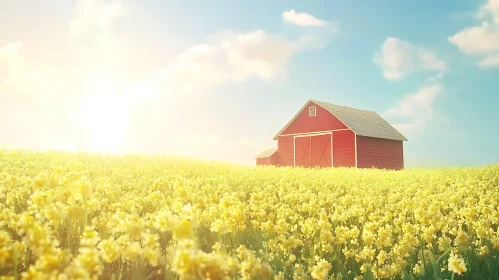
(328, 135)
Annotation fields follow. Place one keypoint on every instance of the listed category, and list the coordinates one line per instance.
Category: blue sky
(218, 79)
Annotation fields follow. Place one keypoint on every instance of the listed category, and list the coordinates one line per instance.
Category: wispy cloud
(12, 61)
(415, 108)
(435, 78)
(302, 19)
(490, 11)
(231, 57)
(398, 58)
(89, 14)
(235, 57)
(481, 40)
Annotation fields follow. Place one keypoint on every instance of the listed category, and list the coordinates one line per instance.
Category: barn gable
(305, 122)
(361, 122)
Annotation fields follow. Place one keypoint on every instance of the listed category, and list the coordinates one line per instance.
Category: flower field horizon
(94, 216)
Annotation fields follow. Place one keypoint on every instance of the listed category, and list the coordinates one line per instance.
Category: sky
(218, 79)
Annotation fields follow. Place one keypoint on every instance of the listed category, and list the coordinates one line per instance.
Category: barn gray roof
(266, 153)
(362, 122)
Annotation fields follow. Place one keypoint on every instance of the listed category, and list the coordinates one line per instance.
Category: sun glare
(105, 114)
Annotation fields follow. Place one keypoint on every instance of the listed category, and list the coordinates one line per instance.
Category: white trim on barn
(294, 153)
(332, 150)
(311, 135)
(355, 149)
(315, 132)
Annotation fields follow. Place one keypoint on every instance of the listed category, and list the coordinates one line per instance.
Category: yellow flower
(5, 255)
(456, 264)
(33, 273)
(483, 251)
(461, 238)
(321, 269)
(132, 251)
(109, 250)
(219, 226)
(419, 269)
(176, 218)
(4, 238)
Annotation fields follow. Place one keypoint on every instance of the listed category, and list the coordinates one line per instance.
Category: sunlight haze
(218, 80)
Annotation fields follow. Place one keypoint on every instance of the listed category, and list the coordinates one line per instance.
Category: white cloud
(416, 103)
(11, 53)
(490, 10)
(232, 57)
(94, 25)
(11, 62)
(302, 19)
(416, 108)
(481, 40)
(436, 77)
(89, 14)
(398, 58)
(412, 126)
(24, 76)
(490, 61)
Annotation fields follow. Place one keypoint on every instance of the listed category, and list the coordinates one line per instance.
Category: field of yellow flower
(81, 216)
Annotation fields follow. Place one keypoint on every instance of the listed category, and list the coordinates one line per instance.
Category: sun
(104, 114)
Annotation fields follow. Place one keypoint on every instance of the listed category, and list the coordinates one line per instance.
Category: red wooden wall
(344, 148)
(263, 161)
(285, 147)
(379, 153)
(321, 122)
(272, 160)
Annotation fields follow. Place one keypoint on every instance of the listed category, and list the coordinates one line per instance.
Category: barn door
(303, 150)
(321, 150)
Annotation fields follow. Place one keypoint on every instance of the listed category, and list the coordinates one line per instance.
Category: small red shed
(327, 135)
(267, 157)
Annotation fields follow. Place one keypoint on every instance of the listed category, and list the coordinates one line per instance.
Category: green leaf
(437, 272)
(336, 265)
(407, 276)
(428, 273)
(369, 274)
(443, 256)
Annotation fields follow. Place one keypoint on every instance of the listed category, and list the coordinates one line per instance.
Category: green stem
(86, 211)
(16, 263)
(69, 234)
(27, 258)
(452, 277)
(166, 263)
